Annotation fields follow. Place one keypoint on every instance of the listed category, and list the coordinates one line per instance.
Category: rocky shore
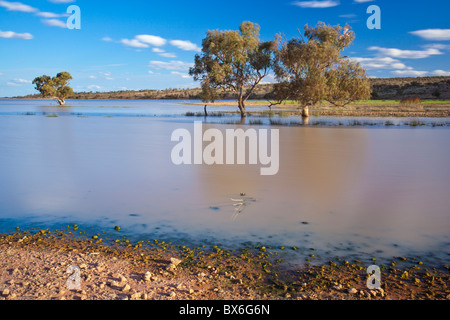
(56, 265)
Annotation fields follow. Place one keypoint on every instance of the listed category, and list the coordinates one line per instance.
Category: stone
(352, 290)
(126, 288)
(175, 261)
(148, 276)
(114, 283)
(136, 295)
(5, 292)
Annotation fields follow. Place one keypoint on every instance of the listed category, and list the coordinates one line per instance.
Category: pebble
(352, 290)
(126, 288)
(136, 295)
(148, 276)
(173, 294)
(5, 292)
(114, 283)
(121, 278)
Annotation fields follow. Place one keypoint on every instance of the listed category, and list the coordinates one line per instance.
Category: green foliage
(346, 83)
(56, 87)
(235, 61)
(311, 68)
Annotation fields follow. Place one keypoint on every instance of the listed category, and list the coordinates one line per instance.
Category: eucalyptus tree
(233, 61)
(56, 87)
(311, 68)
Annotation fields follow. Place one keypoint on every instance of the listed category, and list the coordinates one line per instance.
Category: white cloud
(18, 82)
(270, 78)
(183, 75)
(134, 43)
(185, 45)
(157, 50)
(350, 15)
(438, 46)
(316, 4)
(17, 6)
(94, 87)
(92, 77)
(15, 35)
(22, 81)
(441, 73)
(362, 1)
(107, 39)
(54, 23)
(142, 41)
(109, 78)
(380, 63)
(172, 65)
(167, 55)
(150, 39)
(51, 15)
(406, 54)
(409, 73)
(433, 34)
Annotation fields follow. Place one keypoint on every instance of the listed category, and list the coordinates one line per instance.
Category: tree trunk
(241, 106)
(61, 101)
(206, 113)
(305, 121)
(305, 112)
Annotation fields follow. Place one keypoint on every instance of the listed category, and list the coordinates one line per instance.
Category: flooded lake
(345, 191)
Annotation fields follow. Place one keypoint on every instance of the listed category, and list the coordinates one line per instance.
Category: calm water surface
(348, 192)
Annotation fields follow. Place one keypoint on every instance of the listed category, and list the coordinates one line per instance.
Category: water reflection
(337, 189)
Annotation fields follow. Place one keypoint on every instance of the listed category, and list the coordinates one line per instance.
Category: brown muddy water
(345, 192)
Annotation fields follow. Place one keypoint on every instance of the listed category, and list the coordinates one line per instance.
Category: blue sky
(133, 45)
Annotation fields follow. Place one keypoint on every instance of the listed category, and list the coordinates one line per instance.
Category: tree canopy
(233, 61)
(56, 87)
(311, 68)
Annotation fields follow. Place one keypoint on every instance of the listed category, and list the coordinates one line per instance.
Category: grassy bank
(366, 108)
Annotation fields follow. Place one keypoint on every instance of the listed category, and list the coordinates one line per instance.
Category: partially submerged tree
(208, 94)
(234, 61)
(56, 87)
(311, 68)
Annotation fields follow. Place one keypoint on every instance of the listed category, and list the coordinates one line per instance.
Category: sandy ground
(38, 267)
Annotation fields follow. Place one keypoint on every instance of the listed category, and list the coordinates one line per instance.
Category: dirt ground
(57, 266)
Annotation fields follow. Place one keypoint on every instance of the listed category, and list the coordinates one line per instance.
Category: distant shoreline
(426, 88)
(368, 108)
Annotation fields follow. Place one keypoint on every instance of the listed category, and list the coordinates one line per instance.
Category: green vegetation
(56, 87)
(310, 69)
(234, 61)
